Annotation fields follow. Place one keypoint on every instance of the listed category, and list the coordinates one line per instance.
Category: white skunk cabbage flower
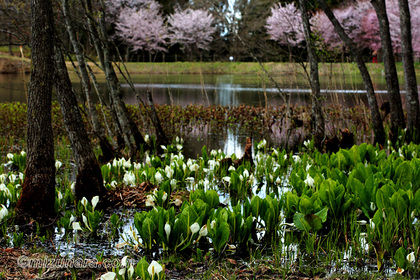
(195, 228)
(154, 268)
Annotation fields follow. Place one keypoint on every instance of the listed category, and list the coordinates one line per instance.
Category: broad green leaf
(322, 214)
(300, 222)
(399, 257)
(221, 236)
(348, 159)
(148, 232)
(403, 173)
(212, 198)
(141, 269)
(377, 220)
(256, 202)
(204, 153)
(416, 201)
(305, 205)
(400, 205)
(383, 198)
(314, 221)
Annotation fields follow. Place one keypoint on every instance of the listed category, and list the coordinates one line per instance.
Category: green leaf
(416, 200)
(305, 205)
(204, 153)
(94, 219)
(141, 269)
(314, 221)
(256, 206)
(148, 231)
(382, 198)
(399, 257)
(403, 173)
(211, 197)
(323, 214)
(377, 220)
(400, 205)
(300, 222)
(221, 236)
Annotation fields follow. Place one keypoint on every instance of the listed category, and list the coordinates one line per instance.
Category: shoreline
(14, 65)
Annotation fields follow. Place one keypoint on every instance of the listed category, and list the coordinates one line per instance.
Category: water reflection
(225, 90)
(13, 87)
(234, 144)
(224, 93)
(230, 141)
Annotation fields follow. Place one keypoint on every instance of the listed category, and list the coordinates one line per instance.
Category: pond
(271, 177)
(225, 90)
(234, 90)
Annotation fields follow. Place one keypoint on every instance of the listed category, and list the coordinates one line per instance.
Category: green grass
(273, 68)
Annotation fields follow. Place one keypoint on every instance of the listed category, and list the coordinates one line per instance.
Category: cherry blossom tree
(349, 17)
(360, 21)
(191, 28)
(285, 25)
(140, 24)
(378, 128)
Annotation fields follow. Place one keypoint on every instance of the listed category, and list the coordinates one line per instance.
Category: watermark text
(55, 263)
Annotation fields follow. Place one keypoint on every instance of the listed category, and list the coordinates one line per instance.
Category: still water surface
(225, 90)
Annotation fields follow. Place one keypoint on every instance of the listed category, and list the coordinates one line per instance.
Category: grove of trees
(358, 19)
(142, 29)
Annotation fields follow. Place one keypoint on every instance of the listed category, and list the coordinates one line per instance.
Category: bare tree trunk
(378, 128)
(38, 190)
(413, 114)
(318, 124)
(102, 103)
(98, 48)
(126, 120)
(89, 181)
(10, 45)
(132, 137)
(107, 150)
(396, 110)
(160, 134)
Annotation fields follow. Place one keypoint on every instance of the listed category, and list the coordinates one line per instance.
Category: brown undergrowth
(269, 123)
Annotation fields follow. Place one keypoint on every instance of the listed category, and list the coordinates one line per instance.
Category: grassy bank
(273, 68)
(15, 64)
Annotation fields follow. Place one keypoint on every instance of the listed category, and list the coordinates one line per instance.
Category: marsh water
(225, 90)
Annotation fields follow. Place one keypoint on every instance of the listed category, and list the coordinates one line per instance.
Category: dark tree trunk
(89, 181)
(38, 190)
(409, 73)
(378, 127)
(318, 124)
(397, 115)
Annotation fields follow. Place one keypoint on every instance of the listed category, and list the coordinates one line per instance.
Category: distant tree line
(208, 30)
